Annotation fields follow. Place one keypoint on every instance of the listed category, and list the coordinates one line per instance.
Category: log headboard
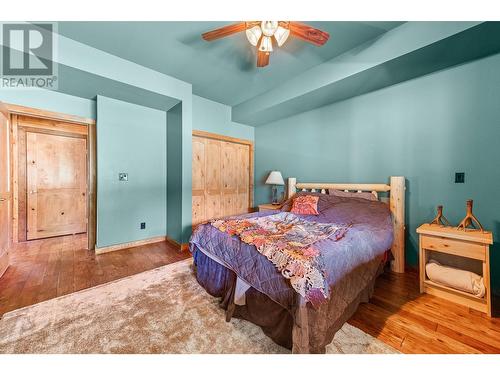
(395, 188)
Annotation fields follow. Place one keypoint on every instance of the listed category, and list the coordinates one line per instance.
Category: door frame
(16, 110)
(4, 257)
(246, 142)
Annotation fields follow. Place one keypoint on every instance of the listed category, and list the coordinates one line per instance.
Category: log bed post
(397, 206)
(292, 181)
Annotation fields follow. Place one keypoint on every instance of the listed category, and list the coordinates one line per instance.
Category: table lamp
(275, 178)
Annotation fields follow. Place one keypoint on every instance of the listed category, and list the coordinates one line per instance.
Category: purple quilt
(370, 235)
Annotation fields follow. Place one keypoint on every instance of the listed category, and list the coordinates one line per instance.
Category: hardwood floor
(397, 314)
(49, 268)
(412, 322)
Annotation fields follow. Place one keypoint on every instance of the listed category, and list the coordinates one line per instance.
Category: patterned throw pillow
(305, 205)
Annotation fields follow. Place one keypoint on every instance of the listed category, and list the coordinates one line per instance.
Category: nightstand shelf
(457, 296)
(469, 244)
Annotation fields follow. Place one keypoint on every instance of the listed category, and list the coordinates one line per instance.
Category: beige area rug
(159, 311)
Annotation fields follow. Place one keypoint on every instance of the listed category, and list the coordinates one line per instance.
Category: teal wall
(174, 172)
(131, 139)
(50, 101)
(215, 117)
(209, 116)
(425, 129)
(99, 63)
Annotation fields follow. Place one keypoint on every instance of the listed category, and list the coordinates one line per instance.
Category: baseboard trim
(173, 242)
(126, 245)
(181, 247)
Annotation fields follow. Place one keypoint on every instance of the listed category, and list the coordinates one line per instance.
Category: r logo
(27, 49)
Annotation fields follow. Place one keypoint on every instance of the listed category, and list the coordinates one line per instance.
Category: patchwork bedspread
(288, 242)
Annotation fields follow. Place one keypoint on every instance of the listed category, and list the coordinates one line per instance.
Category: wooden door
(230, 178)
(243, 178)
(213, 192)
(198, 181)
(221, 178)
(5, 196)
(56, 185)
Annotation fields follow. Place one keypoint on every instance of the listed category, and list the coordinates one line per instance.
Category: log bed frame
(396, 201)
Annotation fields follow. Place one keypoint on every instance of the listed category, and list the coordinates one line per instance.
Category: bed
(251, 288)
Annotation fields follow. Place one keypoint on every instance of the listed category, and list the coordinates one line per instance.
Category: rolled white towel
(466, 281)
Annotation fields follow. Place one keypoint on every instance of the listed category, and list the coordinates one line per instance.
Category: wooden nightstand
(268, 207)
(471, 244)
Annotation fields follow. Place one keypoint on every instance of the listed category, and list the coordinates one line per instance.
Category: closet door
(198, 181)
(243, 170)
(229, 178)
(221, 178)
(213, 192)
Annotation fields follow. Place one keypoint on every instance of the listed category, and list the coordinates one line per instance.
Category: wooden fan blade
(224, 31)
(308, 33)
(262, 59)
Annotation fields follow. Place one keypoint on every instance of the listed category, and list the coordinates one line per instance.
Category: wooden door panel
(198, 163)
(243, 169)
(59, 161)
(59, 212)
(56, 185)
(213, 206)
(213, 166)
(5, 196)
(21, 185)
(198, 215)
(4, 154)
(230, 204)
(242, 203)
(229, 167)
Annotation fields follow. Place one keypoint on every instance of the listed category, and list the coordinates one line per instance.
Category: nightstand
(470, 244)
(268, 207)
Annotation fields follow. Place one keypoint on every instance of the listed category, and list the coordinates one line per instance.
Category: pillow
(305, 205)
(325, 201)
(348, 194)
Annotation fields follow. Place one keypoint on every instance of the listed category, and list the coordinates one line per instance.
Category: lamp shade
(275, 178)
(266, 44)
(281, 34)
(253, 35)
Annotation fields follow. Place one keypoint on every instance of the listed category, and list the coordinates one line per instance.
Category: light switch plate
(122, 176)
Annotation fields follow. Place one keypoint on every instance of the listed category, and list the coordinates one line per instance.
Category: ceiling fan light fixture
(281, 34)
(269, 27)
(266, 44)
(253, 35)
(262, 35)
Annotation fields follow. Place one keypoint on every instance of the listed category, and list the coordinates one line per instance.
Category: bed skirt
(303, 329)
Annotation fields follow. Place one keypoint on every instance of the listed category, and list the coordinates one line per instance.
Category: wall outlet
(122, 176)
(459, 177)
(143, 225)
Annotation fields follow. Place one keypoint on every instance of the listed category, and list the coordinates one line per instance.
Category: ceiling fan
(261, 34)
